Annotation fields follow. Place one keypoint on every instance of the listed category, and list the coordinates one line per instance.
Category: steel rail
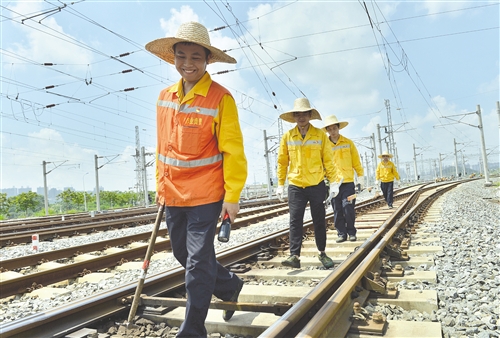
(297, 317)
(58, 322)
(76, 315)
(328, 322)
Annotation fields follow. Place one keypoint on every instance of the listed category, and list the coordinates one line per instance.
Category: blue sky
(434, 61)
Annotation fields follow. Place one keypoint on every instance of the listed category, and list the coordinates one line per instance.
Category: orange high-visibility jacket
(200, 157)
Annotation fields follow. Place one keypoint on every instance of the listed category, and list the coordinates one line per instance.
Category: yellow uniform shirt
(386, 172)
(305, 160)
(346, 158)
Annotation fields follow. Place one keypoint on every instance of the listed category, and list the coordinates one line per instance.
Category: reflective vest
(189, 163)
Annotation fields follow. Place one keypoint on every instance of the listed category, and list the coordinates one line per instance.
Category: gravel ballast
(468, 269)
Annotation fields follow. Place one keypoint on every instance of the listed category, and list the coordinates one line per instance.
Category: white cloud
(170, 25)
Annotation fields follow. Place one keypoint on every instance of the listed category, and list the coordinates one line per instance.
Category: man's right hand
(279, 192)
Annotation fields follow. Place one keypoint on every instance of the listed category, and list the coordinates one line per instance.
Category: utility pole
(268, 170)
(97, 167)
(440, 166)
(379, 139)
(45, 192)
(463, 163)
(44, 164)
(267, 153)
(145, 178)
(390, 131)
(483, 147)
(367, 174)
(415, 162)
(139, 165)
(374, 157)
(456, 157)
(97, 199)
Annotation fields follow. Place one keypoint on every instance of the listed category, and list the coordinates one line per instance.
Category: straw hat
(385, 153)
(332, 119)
(188, 32)
(300, 105)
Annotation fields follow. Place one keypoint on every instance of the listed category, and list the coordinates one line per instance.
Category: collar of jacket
(312, 131)
(341, 139)
(200, 88)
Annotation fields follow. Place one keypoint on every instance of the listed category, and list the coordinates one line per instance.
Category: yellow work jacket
(386, 172)
(306, 160)
(346, 159)
(200, 157)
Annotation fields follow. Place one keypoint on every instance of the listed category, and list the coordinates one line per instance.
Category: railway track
(274, 301)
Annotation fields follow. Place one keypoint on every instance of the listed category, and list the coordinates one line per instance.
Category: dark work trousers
(344, 214)
(297, 201)
(192, 232)
(387, 189)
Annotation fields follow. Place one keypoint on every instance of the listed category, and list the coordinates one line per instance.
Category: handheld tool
(145, 265)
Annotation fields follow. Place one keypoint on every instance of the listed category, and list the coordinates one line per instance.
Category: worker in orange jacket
(201, 168)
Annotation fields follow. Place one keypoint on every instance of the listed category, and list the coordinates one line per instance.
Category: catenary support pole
(487, 182)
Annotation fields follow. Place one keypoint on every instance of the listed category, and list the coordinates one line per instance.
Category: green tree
(4, 205)
(109, 199)
(28, 201)
(67, 198)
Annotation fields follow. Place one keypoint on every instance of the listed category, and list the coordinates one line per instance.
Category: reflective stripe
(190, 164)
(341, 147)
(307, 143)
(168, 104)
(186, 109)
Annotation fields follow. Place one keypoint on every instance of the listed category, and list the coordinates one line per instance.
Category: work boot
(228, 314)
(341, 239)
(293, 261)
(325, 260)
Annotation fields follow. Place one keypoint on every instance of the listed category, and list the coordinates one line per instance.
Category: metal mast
(139, 165)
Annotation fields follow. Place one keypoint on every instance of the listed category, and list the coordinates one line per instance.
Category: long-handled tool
(145, 265)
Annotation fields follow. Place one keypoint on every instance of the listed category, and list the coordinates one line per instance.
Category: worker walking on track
(347, 161)
(201, 168)
(386, 173)
(304, 157)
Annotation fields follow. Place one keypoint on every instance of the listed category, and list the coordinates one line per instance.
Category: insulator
(126, 71)
(48, 64)
(124, 54)
(49, 87)
(50, 105)
(128, 89)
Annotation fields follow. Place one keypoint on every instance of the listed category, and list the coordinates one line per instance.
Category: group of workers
(201, 170)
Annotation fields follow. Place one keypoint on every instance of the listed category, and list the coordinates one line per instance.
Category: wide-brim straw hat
(300, 105)
(193, 32)
(332, 119)
(385, 153)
